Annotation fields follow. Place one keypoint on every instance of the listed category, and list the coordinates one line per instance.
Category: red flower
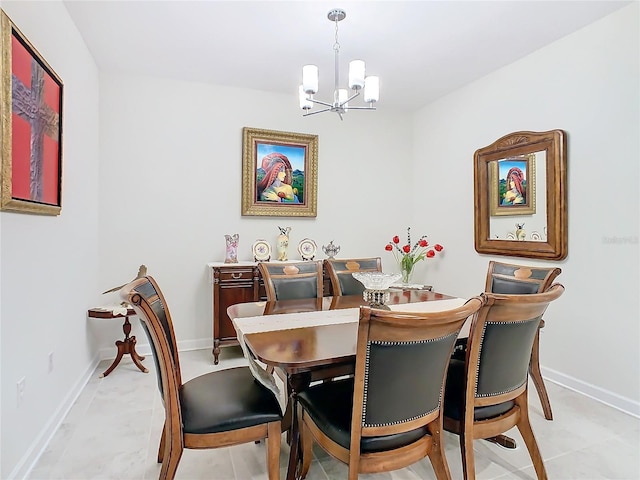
(438, 247)
(406, 249)
(431, 254)
(389, 247)
(423, 243)
(396, 239)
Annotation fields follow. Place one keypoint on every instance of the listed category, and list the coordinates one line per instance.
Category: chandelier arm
(361, 108)
(320, 102)
(350, 98)
(317, 111)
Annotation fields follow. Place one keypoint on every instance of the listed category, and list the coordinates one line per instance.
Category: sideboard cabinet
(236, 283)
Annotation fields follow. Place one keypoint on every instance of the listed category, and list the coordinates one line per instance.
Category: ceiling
(421, 50)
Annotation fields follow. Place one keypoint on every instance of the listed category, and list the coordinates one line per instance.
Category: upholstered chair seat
(240, 402)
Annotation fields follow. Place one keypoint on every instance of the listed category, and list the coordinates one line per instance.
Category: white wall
(49, 265)
(588, 85)
(170, 178)
(167, 189)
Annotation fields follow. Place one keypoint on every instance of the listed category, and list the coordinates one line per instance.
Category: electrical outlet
(50, 362)
(21, 383)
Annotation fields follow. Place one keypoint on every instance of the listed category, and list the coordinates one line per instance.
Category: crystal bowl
(376, 280)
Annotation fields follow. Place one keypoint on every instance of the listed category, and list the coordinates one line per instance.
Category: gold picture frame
(279, 173)
(31, 103)
(520, 198)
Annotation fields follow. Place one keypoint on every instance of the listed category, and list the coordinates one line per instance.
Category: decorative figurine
(232, 248)
(521, 235)
(331, 250)
(283, 243)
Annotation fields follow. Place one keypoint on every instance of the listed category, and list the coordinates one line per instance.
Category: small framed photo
(31, 127)
(279, 173)
(512, 183)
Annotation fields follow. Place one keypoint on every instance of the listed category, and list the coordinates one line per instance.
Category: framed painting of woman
(279, 173)
(513, 185)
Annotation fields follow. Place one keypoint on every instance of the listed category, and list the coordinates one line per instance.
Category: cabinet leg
(216, 351)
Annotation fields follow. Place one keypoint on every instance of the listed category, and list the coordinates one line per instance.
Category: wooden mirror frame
(518, 144)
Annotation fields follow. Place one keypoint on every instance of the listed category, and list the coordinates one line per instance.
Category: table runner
(286, 321)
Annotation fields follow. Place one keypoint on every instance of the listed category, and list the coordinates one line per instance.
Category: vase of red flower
(408, 255)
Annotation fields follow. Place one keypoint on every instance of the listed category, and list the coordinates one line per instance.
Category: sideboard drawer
(236, 274)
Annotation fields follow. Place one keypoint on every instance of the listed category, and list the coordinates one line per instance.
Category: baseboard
(29, 459)
(601, 395)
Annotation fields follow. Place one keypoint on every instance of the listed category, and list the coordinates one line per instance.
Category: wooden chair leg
(161, 448)
(468, 462)
(524, 426)
(172, 455)
(436, 454)
(536, 376)
(273, 450)
(306, 443)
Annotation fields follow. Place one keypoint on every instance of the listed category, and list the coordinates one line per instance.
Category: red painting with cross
(35, 113)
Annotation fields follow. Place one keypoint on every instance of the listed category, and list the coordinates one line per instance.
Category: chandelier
(341, 96)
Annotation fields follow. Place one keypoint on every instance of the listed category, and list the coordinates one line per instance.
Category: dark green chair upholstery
(340, 270)
(292, 280)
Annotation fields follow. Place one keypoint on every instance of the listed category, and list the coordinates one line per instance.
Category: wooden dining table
(311, 340)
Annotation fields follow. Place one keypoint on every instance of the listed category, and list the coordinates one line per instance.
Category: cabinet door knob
(236, 275)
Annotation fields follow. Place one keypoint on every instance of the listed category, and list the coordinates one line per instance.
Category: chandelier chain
(336, 45)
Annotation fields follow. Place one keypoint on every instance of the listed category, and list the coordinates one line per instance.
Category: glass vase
(406, 271)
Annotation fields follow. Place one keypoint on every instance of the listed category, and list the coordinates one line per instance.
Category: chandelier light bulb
(343, 96)
(310, 79)
(356, 74)
(304, 99)
(371, 89)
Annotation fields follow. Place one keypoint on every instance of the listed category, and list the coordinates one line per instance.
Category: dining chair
(292, 280)
(520, 279)
(340, 270)
(217, 409)
(486, 394)
(389, 414)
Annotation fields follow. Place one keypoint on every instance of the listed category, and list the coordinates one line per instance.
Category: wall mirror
(520, 185)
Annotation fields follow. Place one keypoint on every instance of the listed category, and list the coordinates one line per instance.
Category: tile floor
(113, 430)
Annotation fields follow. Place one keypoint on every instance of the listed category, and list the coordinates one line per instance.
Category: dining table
(314, 339)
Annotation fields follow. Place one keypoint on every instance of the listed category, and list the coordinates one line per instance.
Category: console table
(126, 346)
(236, 283)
